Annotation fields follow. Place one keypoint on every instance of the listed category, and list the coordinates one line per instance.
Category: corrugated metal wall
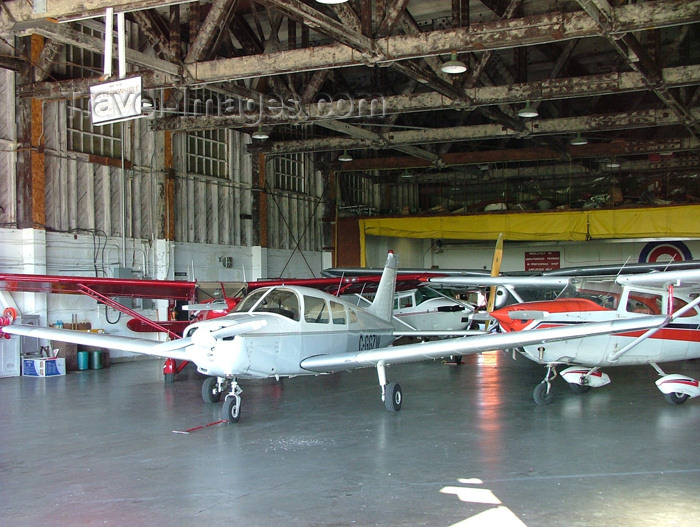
(8, 143)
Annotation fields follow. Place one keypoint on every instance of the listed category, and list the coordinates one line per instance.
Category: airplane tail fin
(383, 304)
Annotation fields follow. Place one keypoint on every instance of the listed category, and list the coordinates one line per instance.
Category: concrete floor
(469, 447)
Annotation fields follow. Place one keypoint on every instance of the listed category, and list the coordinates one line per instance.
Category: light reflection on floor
(499, 515)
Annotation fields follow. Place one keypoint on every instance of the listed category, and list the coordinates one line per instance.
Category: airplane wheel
(210, 390)
(457, 359)
(393, 397)
(231, 410)
(676, 398)
(579, 388)
(540, 394)
(168, 378)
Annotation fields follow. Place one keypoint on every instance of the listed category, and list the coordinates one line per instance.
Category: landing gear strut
(542, 393)
(391, 392)
(231, 410)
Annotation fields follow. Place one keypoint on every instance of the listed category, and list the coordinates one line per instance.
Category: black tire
(457, 359)
(210, 390)
(579, 388)
(393, 397)
(540, 394)
(169, 378)
(676, 397)
(230, 410)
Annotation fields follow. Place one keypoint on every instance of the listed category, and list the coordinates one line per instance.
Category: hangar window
(206, 153)
(105, 140)
(289, 172)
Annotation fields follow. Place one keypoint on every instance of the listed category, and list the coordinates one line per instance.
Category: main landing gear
(213, 387)
(391, 392)
(676, 388)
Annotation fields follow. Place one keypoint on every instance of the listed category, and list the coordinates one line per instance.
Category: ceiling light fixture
(612, 163)
(453, 65)
(527, 111)
(331, 1)
(260, 134)
(578, 140)
(345, 157)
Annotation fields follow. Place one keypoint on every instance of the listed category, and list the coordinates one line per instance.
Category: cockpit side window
(315, 310)
(338, 312)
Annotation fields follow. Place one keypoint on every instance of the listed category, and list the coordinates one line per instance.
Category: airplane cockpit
(281, 301)
(295, 306)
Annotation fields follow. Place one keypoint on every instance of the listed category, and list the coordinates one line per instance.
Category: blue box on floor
(43, 367)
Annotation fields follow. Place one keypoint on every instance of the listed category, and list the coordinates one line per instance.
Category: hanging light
(260, 134)
(345, 157)
(331, 1)
(612, 163)
(578, 140)
(453, 65)
(528, 111)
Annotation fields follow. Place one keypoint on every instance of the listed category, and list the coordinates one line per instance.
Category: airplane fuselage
(679, 340)
(278, 348)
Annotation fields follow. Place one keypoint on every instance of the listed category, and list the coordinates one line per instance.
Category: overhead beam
(210, 31)
(627, 46)
(619, 148)
(553, 89)
(301, 12)
(535, 128)
(541, 29)
(64, 34)
(20, 14)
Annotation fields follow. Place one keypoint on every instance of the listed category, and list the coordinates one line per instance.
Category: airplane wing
(110, 287)
(471, 345)
(689, 278)
(488, 281)
(173, 349)
(348, 285)
(134, 345)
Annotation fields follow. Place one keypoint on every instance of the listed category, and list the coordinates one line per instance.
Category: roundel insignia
(664, 252)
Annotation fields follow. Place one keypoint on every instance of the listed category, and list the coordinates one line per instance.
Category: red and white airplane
(670, 298)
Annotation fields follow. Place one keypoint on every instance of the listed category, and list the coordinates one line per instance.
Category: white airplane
(423, 309)
(285, 331)
(671, 295)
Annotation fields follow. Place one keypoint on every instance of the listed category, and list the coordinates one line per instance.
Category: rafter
(552, 89)
(535, 128)
(551, 27)
(210, 31)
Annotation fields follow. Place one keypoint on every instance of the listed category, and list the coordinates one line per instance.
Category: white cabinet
(9, 356)
(12, 348)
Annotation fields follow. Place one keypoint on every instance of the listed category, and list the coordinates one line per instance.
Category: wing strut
(127, 311)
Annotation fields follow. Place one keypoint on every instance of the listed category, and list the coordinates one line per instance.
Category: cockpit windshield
(426, 293)
(604, 292)
(283, 302)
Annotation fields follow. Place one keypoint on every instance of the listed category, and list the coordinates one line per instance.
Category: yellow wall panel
(662, 222)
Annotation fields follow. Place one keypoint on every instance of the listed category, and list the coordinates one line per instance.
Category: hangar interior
(275, 138)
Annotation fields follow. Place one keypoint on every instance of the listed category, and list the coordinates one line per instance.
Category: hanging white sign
(116, 101)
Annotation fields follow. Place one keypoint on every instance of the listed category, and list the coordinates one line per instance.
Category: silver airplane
(285, 331)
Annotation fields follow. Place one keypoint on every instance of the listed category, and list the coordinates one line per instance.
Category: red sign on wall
(542, 260)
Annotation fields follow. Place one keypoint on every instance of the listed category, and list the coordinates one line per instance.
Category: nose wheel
(542, 394)
(231, 411)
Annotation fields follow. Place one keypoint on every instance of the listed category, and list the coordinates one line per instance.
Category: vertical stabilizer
(383, 305)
